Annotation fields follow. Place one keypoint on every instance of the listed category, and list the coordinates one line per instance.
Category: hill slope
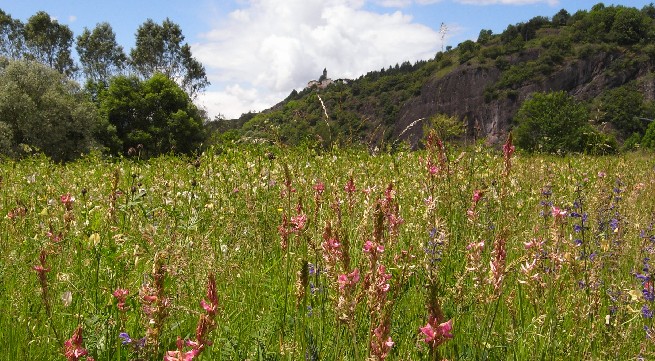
(482, 83)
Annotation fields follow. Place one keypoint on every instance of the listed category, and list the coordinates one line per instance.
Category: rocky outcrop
(461, 93)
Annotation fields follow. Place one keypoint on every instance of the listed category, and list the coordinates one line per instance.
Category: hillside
(604, 57)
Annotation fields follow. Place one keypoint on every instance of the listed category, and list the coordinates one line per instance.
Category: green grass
(220, 214)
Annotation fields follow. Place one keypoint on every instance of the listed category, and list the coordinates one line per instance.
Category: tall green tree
(630, 26)
(11, 36)
(42, 109)
(160, 49)
(101, 57)
(552, 123)
(49, 42)
(624, 107)
(155, 114)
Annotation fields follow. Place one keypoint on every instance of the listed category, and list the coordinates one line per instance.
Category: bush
(43, 110)
(555, 123)
(155, 114)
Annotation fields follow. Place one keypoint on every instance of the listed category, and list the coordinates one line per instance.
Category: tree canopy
(155, 115)
(42, 110)
(160, 49)
(101, 57)
(553, 123)
(49, 42)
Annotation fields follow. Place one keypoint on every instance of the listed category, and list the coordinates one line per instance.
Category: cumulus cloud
(404, 3)
(264, 50)
(509, 2)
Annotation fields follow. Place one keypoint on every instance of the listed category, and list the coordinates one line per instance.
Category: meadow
(269, 253)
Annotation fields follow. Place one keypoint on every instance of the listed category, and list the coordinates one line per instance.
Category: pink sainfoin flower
(381, 342)
(435, 335)
(41, 271)
(299, 221)
(332, 250)
(67, 200)
(179, 354)
(508, 150)
(206, 324)
(284, 231)
(348, 280)
(558, 213)
(471, 213)
(373, 248)
(121, 296)
(497, 264)
(319, 188)
(477, 195)
(350, 186)
(73, 349)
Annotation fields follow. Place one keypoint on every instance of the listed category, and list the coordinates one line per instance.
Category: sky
(256, 52)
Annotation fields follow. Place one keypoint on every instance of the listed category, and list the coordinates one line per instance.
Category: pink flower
(477, 195)
(372, 247)
(350, 186)
(439, 334)
(67, 200)
(558, 213)
(299, 222)
(345, 280)
(212, 306)
(181, 356)
(73, 349)
(121, 295)
(319, 188)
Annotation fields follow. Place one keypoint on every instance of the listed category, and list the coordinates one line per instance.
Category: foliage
(49, 42)
(160, 49)
(445, 127)
(155, 115)
(41, 109)
(101, 57)
(625, 108)
(546, 261)
(648, 141)
(553, 123)
(11, 36)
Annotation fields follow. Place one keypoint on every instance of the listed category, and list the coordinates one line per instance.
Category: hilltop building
(321, 83)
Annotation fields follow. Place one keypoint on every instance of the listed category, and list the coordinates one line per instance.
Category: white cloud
(508, 2)
(404, 3)
(72, 18)
(262, 51)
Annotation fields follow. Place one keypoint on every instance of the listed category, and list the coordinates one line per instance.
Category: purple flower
(614, 224)
(646, 312)
(126, 338)
(648, 295)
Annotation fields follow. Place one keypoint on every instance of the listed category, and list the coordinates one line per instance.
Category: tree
(11, 36)
(49, 42)
(648, 141)
(623, 107)
(159, 49)
(485, 36)
(552, 123)
(101, 57)
(155, 114)
(40, 108)
(561, 18)
(630, 26)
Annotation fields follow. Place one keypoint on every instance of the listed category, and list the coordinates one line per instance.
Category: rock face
(461, 93)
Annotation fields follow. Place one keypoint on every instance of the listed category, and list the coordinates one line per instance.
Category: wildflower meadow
(271, 253)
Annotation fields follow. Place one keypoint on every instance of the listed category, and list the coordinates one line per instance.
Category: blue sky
(257, 51)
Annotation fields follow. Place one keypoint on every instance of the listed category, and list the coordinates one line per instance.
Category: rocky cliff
(461, 93)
